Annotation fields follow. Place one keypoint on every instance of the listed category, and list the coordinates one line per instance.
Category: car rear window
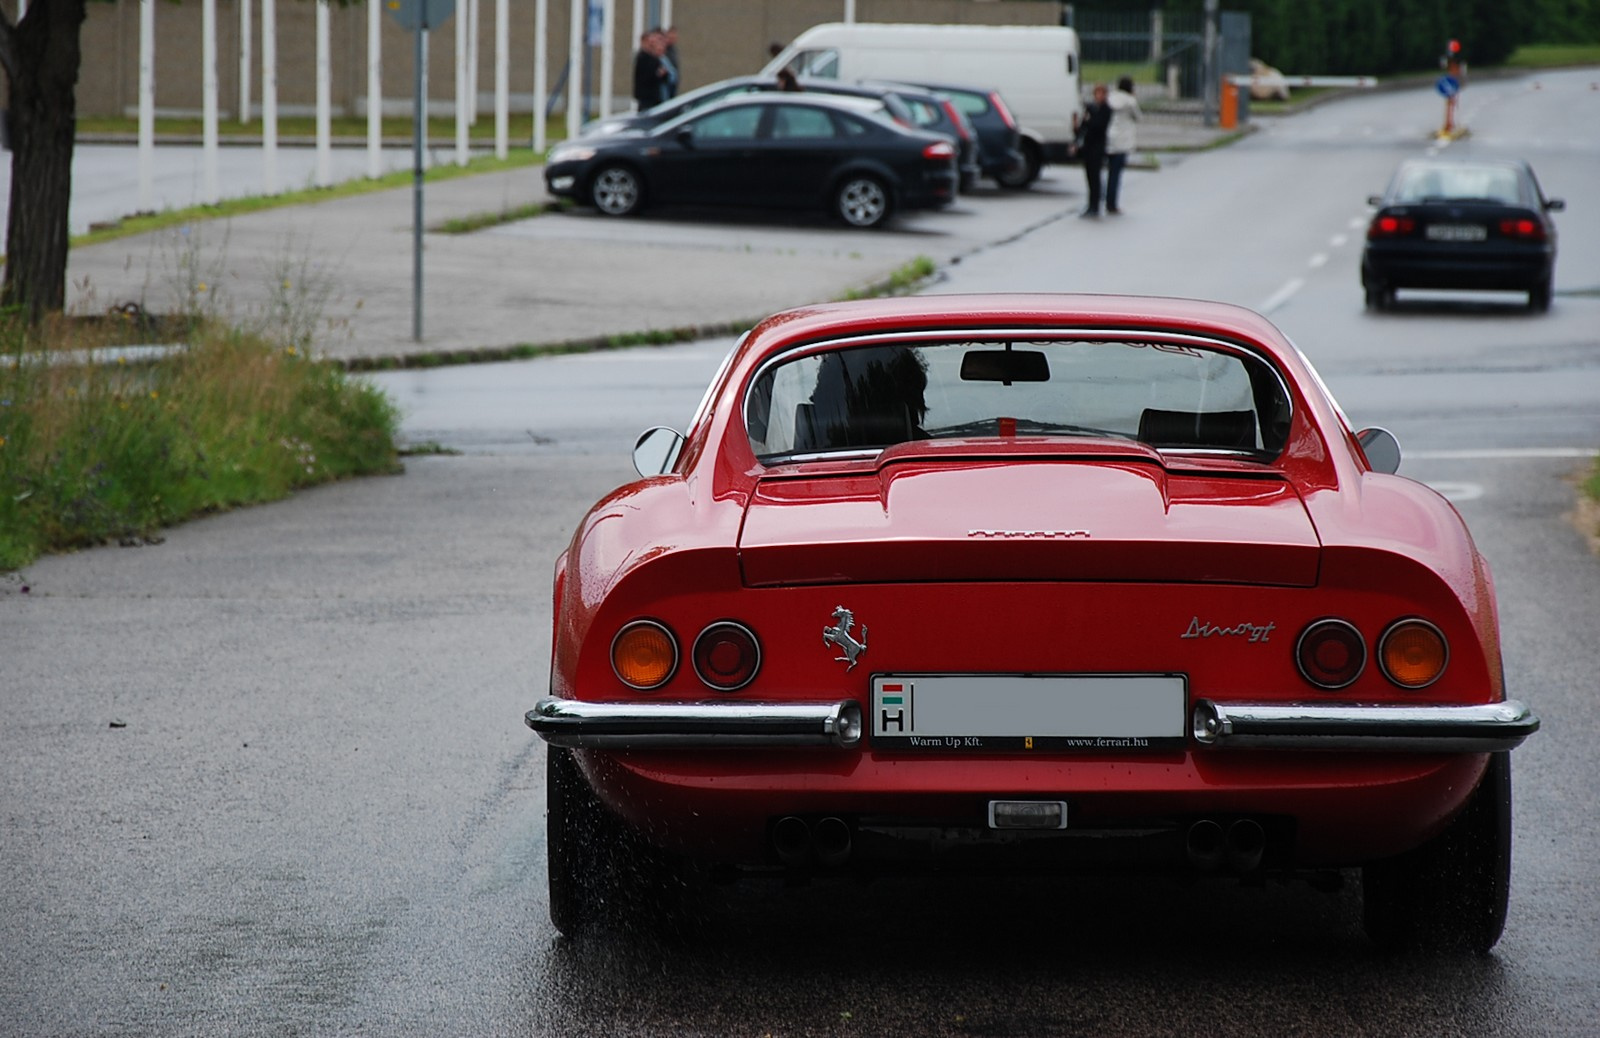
(1417, 184)
(1170, 395)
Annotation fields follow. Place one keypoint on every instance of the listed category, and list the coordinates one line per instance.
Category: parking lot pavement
(347, 264)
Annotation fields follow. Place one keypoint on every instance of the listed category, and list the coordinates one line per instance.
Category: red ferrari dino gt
(1044, 582)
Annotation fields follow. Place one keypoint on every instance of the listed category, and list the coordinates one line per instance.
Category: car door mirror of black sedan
(1555, 205)
(656, 450)
(1381, 448)
(1374, 199)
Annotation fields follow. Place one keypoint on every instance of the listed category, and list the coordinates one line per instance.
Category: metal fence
(1164, 52)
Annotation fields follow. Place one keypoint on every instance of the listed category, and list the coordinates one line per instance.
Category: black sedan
(1479, 225)
(780, 150)
(725, 89)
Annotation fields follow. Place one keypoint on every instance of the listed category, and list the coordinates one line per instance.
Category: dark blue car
(780, 150)
(1481, 225)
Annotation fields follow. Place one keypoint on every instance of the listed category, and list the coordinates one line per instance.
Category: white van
(1035, 68)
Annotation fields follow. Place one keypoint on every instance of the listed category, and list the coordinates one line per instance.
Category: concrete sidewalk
(560, 278)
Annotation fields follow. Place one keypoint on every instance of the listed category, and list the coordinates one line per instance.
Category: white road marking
(1338, 240)
(1357, 222)
(1503, 453)
(1281, 296)
(1459, 491)
(1318, 260)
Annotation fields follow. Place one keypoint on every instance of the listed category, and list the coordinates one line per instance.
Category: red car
(1037, 582)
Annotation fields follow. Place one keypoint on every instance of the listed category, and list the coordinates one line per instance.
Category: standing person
(647, 73)
(1091, 127)
(670, 56)
(1121, 138)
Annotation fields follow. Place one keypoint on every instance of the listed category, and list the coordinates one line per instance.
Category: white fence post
(269, 96)
(212, 189)
(324, 97)
(147, 103)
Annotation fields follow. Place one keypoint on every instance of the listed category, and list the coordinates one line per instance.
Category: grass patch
(92, 453)
(1554, 55)
(141, 223)
(902, 281)
(478, 221)
(1108, 72)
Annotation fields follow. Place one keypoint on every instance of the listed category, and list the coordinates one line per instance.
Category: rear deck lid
(1098, 514)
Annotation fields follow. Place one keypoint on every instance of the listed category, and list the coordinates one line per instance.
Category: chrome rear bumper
(576, 723)
(837, 724)
(1427, 729)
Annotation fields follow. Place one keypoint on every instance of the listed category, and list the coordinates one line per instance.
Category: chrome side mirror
(1555, 205)
(1381, 448)
(1375, 200)
(656, 450)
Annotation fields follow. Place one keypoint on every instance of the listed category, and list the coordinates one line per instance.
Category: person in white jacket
(1121, 138)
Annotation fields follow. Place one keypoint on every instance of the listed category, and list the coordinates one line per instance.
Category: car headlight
(573, 153)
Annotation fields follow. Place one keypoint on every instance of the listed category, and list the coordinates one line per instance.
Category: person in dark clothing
(648, 72)
(1092, 126)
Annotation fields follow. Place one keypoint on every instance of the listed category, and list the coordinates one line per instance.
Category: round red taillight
(1413, 653)
(1330, 653)
(727, 656)
(644, 654)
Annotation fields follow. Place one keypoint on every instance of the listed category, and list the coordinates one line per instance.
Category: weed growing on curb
(97, 448)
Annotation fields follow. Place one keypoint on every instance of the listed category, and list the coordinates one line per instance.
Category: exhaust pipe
(1246, 843)
(791, 840)
(832, 841)
(1206, 845)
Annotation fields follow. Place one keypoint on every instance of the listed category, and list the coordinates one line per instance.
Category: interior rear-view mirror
(1006, 366)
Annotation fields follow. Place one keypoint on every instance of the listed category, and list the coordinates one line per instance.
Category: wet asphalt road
(269, 777)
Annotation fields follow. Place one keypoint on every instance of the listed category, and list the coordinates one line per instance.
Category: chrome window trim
(1095, 333)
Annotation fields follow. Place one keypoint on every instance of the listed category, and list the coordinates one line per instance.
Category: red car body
(1176, 593)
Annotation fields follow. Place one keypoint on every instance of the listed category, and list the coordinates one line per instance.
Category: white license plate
(1457, 232)
(992, 713)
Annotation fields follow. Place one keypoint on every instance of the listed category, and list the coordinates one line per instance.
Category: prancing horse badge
(839, 636)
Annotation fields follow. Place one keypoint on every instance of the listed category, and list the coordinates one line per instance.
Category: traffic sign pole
(417, 17)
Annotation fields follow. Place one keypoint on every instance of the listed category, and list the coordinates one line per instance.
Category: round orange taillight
(726, 656)
(1413, 653)
(644, 654)
(1330, 653)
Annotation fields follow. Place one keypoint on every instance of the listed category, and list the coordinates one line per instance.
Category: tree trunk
(41, 56)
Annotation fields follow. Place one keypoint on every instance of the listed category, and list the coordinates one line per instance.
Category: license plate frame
(1457, 232)
(1021, 713)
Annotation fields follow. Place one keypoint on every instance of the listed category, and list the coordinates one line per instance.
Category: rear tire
(862, 200)
(1024, 173)
(572, 818)
(1450, 893)
(602, 873)
(617, 190)
(1378, 296)
(1539, 297)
